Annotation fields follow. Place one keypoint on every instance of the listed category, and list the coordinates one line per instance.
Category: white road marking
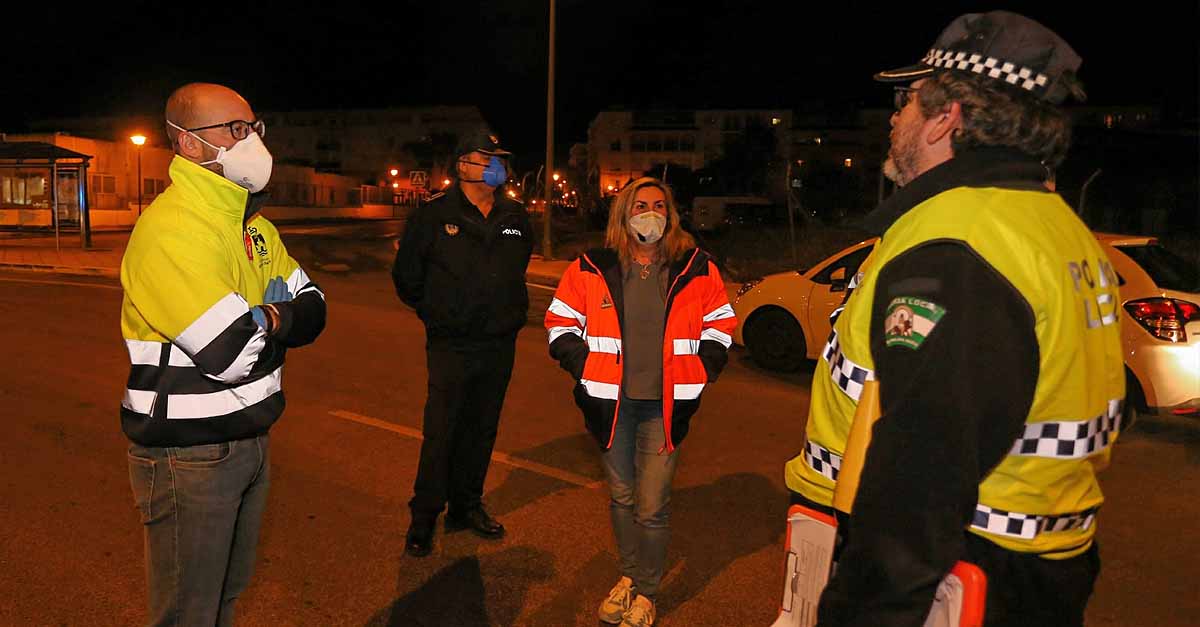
(503, 458)
(74, 283)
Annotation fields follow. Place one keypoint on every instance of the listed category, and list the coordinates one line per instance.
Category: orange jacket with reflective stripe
(585, 321)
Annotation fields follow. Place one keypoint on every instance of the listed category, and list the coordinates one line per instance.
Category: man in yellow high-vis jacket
(212, 302)
(987, 316)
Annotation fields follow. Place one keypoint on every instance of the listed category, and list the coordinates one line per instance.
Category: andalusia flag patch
(910, 320)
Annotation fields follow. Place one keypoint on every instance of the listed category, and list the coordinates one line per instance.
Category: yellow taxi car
(783, 319)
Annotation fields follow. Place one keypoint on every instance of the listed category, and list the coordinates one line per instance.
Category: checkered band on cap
(992, 67)
(1028, 526)
(1070, 440)
(848, 375)
(823, 460)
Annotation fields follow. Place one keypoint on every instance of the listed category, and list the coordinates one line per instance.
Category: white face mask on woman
(248, 163)
(648, 226)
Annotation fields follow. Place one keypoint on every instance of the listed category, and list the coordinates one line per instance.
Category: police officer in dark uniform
(461, 264)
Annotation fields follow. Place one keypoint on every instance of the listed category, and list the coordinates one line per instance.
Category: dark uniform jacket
(463, 273)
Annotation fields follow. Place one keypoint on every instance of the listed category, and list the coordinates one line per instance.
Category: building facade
(362, 143)
(112, 185)
(624, 144)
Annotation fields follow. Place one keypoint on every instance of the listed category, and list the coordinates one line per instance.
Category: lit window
(849, 162)
(775, 121)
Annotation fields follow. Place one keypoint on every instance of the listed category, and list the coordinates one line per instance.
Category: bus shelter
(43, 186)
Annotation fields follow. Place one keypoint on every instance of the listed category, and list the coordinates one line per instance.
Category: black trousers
(462, 416)
(1028, 591)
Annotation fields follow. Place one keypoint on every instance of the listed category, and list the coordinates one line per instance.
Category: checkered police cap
(1003, 46)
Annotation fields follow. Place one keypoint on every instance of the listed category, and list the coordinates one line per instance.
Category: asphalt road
(344, 457)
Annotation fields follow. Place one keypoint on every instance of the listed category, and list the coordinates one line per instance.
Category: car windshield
(1168, 270)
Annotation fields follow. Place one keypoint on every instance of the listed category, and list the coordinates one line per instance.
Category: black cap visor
(906, 74)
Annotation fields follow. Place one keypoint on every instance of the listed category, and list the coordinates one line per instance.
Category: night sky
(301, 55)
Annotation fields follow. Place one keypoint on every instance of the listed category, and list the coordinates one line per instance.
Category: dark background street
(344, 457)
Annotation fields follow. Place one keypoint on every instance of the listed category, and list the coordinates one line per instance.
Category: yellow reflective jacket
(1042, 498)
(201, 370)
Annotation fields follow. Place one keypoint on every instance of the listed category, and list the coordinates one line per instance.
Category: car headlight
(747, 286)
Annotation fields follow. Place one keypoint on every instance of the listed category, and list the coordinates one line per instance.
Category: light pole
(547, 252)
(139, 140)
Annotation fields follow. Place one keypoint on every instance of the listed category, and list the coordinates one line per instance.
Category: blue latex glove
(277, 291)
(260, 318)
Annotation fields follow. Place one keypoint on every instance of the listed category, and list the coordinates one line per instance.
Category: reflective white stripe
(720, 313)
(686, 347)
(717, 336)
(140, 401)
(559, 308)
(610, 345)
(144, 353)
(557, 332)
(245, 360)
(596, 389)
(298, 280)
(688, 391)
(212, 322)
(192, 406)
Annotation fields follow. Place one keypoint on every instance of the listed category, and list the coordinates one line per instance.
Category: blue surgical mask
(494, 174)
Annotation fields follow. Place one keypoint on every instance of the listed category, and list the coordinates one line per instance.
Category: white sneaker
(619, 600)
(640, 614)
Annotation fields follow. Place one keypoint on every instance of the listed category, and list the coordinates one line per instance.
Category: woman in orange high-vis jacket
(642, 326)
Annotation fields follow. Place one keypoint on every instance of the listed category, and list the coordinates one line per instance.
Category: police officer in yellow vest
(987, 317)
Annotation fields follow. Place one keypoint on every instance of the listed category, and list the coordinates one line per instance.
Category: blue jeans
(201, 508)
(639, 480)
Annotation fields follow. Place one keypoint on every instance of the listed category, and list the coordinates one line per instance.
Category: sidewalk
(37, 252)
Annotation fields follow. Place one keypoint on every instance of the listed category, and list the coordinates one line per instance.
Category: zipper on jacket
(669, 445)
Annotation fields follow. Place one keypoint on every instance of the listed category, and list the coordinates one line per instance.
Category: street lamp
(556, 177)
(139, 140)
(393, 171)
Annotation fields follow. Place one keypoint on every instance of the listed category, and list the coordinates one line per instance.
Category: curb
(544, 280)
(111, 273)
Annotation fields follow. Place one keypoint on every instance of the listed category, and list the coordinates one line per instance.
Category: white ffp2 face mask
(248, 163)
(648, 227)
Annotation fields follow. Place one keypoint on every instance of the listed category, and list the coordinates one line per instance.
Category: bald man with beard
(212, 302)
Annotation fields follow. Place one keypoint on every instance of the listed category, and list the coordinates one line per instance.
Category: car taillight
(1164, 318)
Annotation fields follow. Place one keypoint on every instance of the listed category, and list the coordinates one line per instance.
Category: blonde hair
(675, 241)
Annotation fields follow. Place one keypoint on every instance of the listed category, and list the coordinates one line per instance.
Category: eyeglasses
(903, 95)
(240, 129)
